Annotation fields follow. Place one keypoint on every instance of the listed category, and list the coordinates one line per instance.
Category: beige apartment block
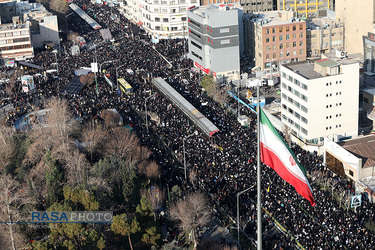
(358, 17)
(274, 38)
(324, 35)
(321, 99)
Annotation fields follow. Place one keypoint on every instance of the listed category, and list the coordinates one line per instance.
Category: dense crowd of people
(225, 164)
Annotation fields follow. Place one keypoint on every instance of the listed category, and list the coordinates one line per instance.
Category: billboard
(27, 83)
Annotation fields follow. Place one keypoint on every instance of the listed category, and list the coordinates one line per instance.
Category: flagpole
(259, 197)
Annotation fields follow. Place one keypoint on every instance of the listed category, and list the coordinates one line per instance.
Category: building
(247, 5)
(43, 25)
(359, 19)
(164, 18)
(324, 35)
(321, 99)
(306, 8)
(274, 38)
(7, 11)
(369, 52)
(214, 39)
(15, 41)
(353, 159)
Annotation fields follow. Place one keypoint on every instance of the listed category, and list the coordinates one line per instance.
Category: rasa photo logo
(71, 217)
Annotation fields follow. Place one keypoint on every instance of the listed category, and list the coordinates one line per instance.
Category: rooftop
(10, 26)
(363, 148)
(305, 69)
(272, 18)
(202, 11)
(370, 91)
(326, 63)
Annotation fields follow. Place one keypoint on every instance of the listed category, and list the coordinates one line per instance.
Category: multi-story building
(247, 5)
(44, 25)
(359, 19)
(7, 11)
(321, 98)
(324, 35)
(369, 53)
(214, 39)
(275, 37)
(306, 8)
(166, 18)
(15, 41)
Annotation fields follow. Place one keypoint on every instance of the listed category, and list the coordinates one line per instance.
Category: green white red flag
(276, 154)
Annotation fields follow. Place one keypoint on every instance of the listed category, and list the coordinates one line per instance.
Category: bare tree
(6, 145)
(111, 119)
(192, 213)
(76, 167)
(37, 181)
(151, 170)
(93, 135)
(121, 143)
(73, 36)
(12, 197)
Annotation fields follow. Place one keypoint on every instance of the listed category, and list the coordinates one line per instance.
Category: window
(274, 56)
(281, 54)
(267, 39)
(195, 23)
(297, 82)
(284, 74)
(273, 30)
(300, 43)
(294, 44)
(301, 27)
(351, 173)
(165, 20)
(303, 108)
(294, 27)
(290, 110)
(280, 29)
(365, 100)
(288, 53)
(268, 48)
(226, 30)
(284, 85)
(225, 41)
(287, 37)
(280, 37)
(294, 52)
(301, 35)
(297, 115)
(281, 46)
(284, 96)
(274, 39)
(267, 31)
(304, 131)
(195, 34)
(286, 45)
(196, 55)
(274, 47)
(297, 93)
(157, 19)
(290, 78)
(297, 104)
(290, 89)
(294, 36)
(304, 98)
(183, 18)
(297, 126)
(304, 86)
(267, 56)
(301, 51)
(304, 119)
(196, 45)
(290, 99)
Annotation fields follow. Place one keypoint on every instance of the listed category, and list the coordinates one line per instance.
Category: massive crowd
(225, 163)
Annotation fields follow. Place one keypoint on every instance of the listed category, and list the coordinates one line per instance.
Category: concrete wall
(358, 17)
(48, 31)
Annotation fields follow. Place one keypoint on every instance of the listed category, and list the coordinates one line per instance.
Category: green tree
(125, 226)
(82, 198)
(145, 215)
(207, 82)
(54, 178)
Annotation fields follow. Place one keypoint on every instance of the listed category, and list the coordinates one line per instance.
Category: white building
(321, 98)
(166, 18)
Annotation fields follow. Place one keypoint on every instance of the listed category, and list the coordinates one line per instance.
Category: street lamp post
(183, 144)
(146, 110)
(238, 213)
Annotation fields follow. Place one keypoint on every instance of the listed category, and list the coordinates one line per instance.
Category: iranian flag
(276, 154)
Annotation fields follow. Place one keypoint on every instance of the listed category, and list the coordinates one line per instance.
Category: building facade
(359, 18)
(324, 35)
(369, 52)
(307, 8)
(321, 98)
(214, 39)
(15, 41)
(165, 18)
(247, 5)
(274, 38)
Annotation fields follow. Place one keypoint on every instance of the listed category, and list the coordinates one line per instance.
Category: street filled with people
(225, 164)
